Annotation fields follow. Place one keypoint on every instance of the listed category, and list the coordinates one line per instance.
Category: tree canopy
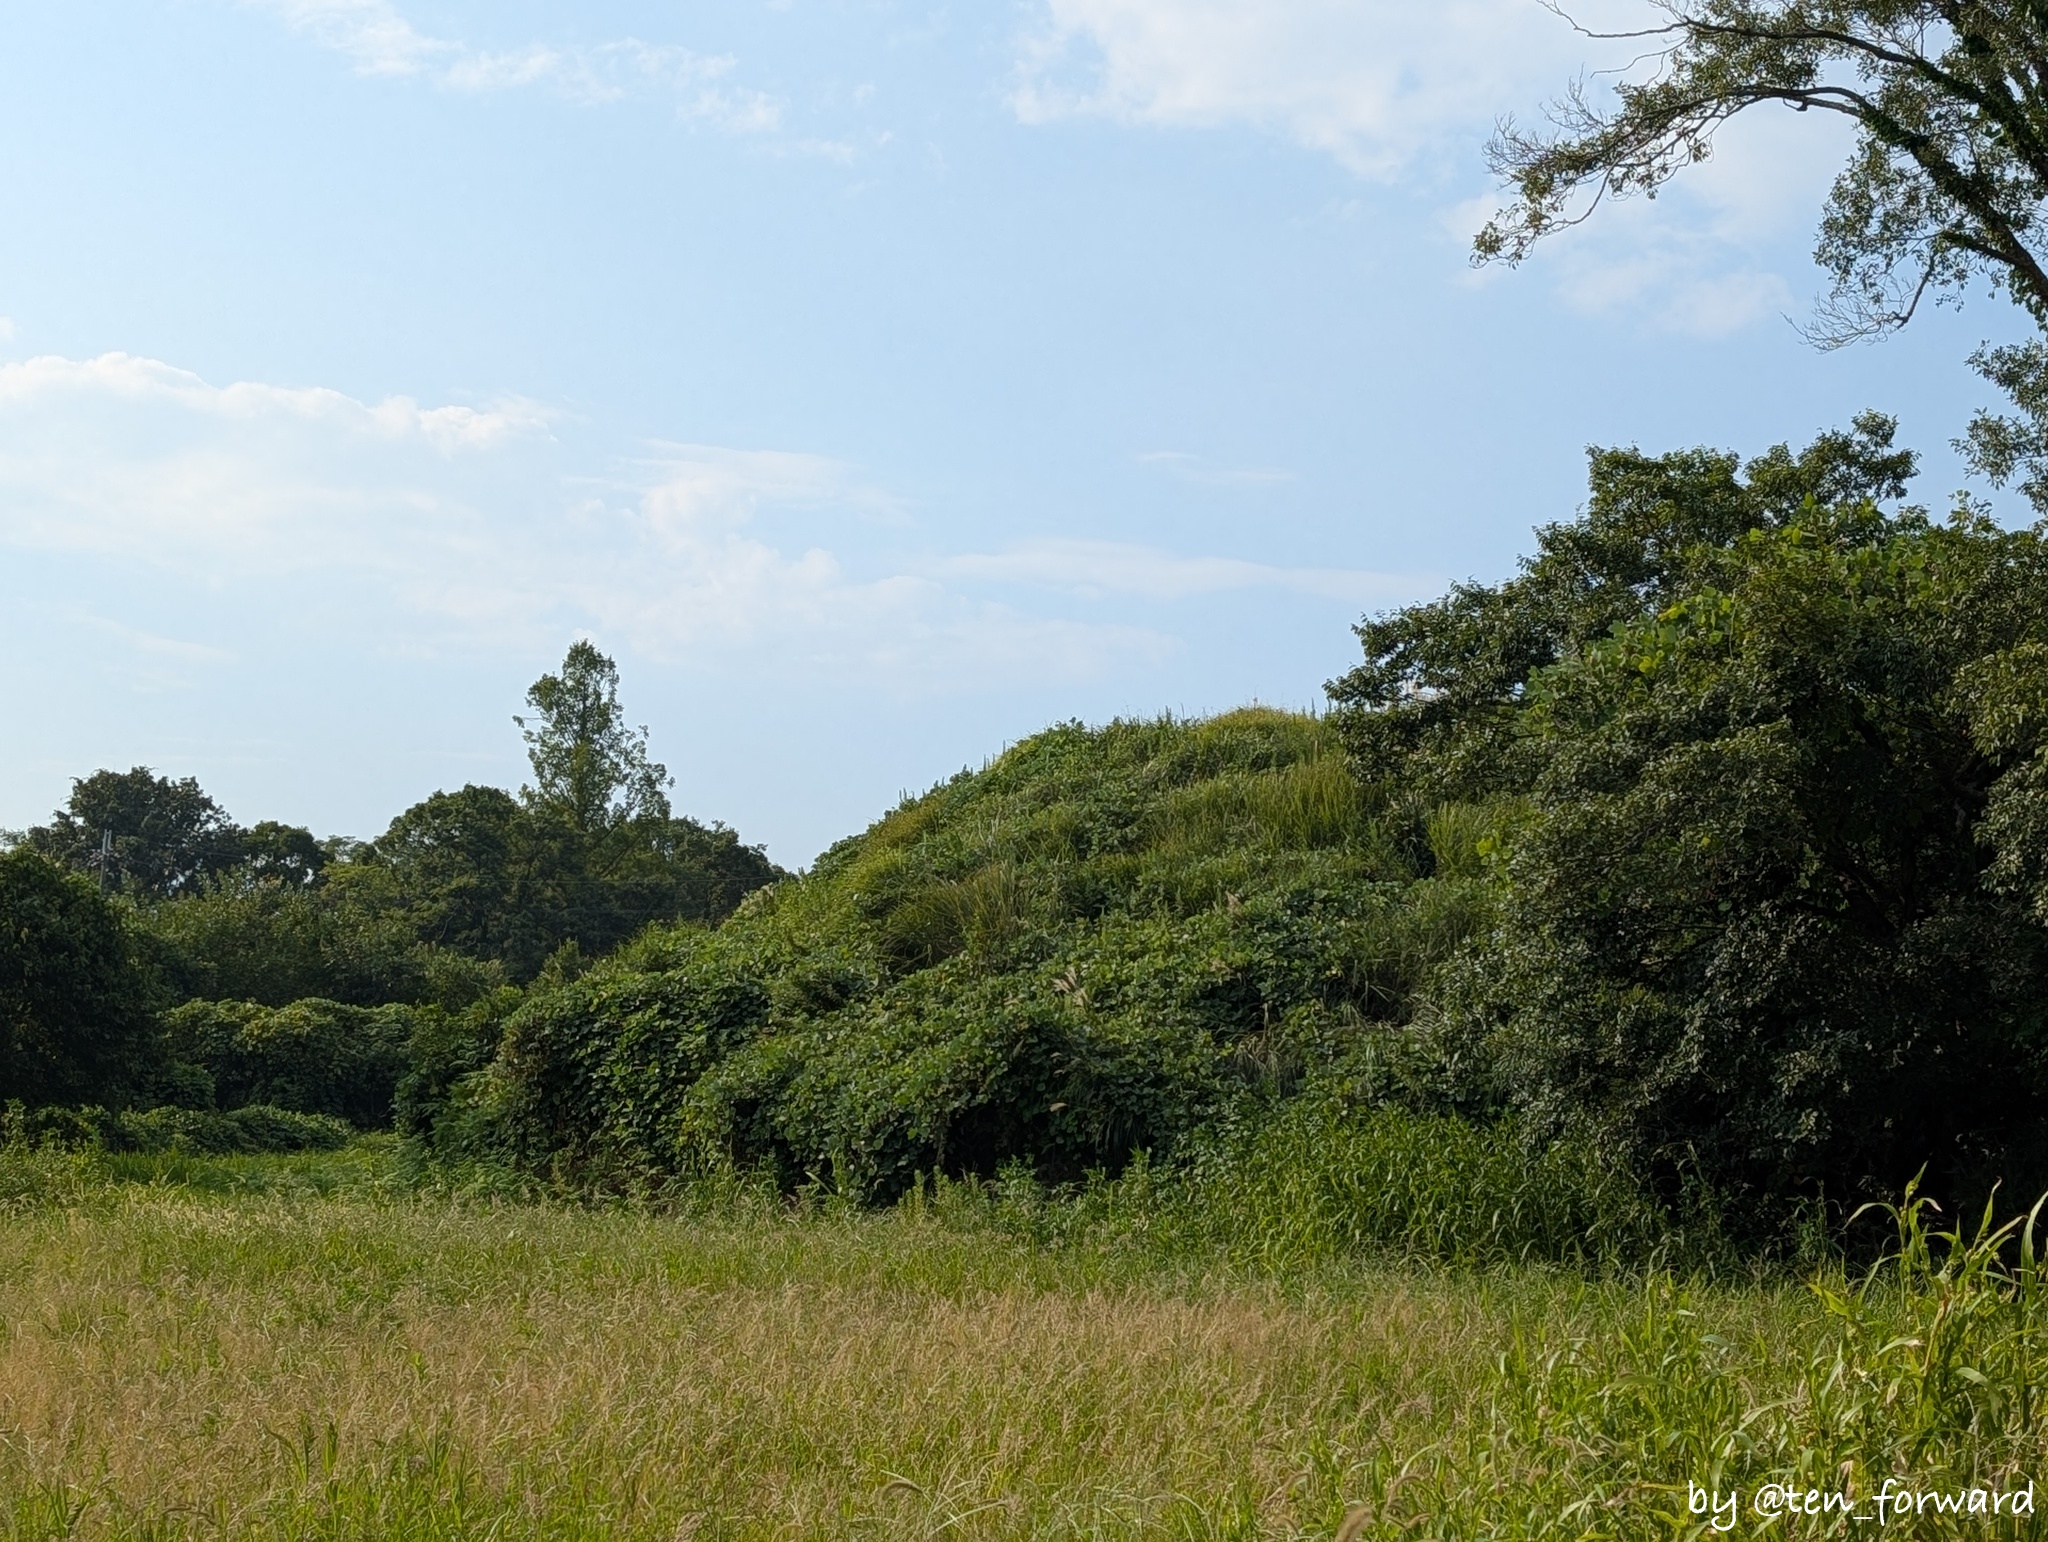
(75, 1007)
(588, 765)
(1947, 183)
(462, 891)
(1760, 764)
(145, 833)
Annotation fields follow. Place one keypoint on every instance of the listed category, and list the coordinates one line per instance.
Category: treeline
(1707, 856)
(142, 895)
(1713, 847)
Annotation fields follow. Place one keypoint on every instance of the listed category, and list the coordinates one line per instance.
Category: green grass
(309, 1347)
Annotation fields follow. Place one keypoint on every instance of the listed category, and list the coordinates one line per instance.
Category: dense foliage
(464, 890)
(253, 1129)
(148, 835)
(1761, 914)
(1095, 945)
(1711, 848)
(297, 959)
(1704, 863)
(74, 1002)
(312, 1057)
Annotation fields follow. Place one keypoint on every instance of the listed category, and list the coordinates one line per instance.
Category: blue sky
(876, 382)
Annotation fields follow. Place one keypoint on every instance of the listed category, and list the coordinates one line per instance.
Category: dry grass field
(280, 1353)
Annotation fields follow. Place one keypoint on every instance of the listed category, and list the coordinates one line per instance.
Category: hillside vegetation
(1688, 889)
(1102, 941)
(1705, 853)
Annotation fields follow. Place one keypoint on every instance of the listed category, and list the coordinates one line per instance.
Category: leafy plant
(312, 1057)
(75, 1003)
(1094, 946)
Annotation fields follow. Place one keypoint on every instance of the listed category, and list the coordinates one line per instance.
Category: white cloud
(124, 377)
(1383, 86)
(1673, 284)
(381, 41)
(1703, 259)
(1372, 82)
(152, 664)
(371, 32)
(150, 643)
(613, 71)
(460, 524)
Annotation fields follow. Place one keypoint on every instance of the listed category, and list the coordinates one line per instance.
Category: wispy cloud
(371, 32)
(148, 663)
(381, 42)
(150, 644)
(1372, 82)
(1392, 89)
(134, 460)
(461, 524)
(127, 378)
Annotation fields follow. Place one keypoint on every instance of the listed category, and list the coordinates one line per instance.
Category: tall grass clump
(35, 1177)
(1314, 1183)
(1919, 1385)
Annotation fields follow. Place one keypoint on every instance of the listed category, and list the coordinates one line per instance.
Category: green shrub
(346, 938)
(252, 1130)
(33, 1177)
(52, 1126)
(312, 1057)
(445, 1048)
(595, 1072)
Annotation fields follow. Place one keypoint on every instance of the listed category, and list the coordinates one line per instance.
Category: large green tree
(1947, 183)
(147, 834)
(589, 853)
(1760, 762)
(589, 766)
(75, 1009)
(1433, 711)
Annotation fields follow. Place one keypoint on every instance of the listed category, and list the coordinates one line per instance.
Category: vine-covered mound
(1102, 941)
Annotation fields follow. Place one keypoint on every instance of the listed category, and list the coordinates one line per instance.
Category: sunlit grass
(321, 1352)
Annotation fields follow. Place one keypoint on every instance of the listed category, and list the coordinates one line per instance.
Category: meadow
(1490, 1109)
(321, 1346)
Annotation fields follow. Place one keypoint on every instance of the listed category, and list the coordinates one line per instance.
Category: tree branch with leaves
(1947, 183)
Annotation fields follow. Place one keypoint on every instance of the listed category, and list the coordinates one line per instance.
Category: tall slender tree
(588, 764)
